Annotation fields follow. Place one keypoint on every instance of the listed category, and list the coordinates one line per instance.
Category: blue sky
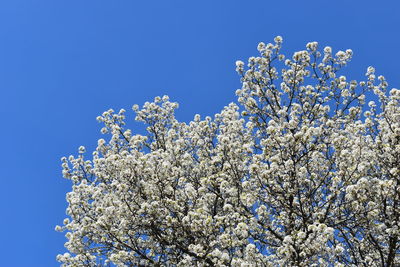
(62, 63)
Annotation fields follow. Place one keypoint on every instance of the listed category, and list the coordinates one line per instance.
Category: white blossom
(301, 172)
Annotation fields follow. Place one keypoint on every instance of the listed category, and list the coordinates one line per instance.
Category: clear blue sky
(62, 63)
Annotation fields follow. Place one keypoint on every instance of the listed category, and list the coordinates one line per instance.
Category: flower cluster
(301, 173)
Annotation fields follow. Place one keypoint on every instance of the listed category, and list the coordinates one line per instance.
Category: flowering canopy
(302, 173)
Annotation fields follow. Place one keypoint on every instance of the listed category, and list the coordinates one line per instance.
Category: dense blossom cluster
(304, 172)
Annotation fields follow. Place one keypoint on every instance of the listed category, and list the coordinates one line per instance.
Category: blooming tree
(304, 171)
